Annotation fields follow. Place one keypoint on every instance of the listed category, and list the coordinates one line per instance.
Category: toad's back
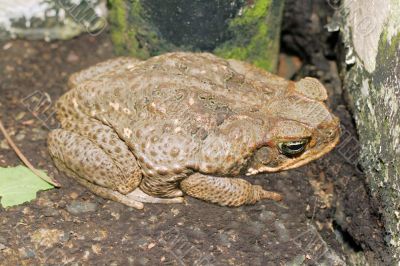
(177, 85)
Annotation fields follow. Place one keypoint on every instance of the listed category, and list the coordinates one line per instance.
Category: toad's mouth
(305, 158)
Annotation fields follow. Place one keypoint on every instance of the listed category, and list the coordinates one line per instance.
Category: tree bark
(371, 72)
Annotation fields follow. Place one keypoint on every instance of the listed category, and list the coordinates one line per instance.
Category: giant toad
(187, 123)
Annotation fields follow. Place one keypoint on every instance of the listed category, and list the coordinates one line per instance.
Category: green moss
(117, 17)
(388, 46)
(131, 33)
(377, 117)
(385, 78)
(255, 35)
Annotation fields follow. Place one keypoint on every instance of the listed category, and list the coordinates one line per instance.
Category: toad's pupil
(292, 148)
(295, 147)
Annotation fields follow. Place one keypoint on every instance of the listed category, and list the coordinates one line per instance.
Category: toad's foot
(139, 195)
(225, 191)
(99, 190)
(133, 199)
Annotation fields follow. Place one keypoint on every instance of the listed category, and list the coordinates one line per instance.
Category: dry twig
(25, 160)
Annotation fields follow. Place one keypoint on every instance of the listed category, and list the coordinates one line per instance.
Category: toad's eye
(292, 148)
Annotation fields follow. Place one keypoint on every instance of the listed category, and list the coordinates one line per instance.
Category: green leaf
(19, 185)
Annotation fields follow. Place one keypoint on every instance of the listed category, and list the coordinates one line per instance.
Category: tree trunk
(371, 71)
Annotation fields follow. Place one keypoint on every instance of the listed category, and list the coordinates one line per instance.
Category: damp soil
(71, 226)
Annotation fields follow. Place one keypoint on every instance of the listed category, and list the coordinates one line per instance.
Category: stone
(47, 237)
(244, 30)
(77, 207)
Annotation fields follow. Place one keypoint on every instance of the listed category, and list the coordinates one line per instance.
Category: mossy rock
(245, 30)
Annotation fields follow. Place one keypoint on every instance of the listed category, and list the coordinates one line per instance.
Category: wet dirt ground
(71, 226)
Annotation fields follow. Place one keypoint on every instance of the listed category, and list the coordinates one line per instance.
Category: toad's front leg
(225, 191)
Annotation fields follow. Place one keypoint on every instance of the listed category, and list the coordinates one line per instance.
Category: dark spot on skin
(68, 112)
(138, 133)
(220, 118)
(117, 150)
(202, 133)
(153, 153)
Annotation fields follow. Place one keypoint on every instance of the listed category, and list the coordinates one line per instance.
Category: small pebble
(50, 212)
(175, 211)
(72, 57)
(73, 195)
(143, 261)
(96, 248)
(282, 231)
(298, 260)
(4, 145)
(115, 215)
(267, 216)
(20, 136)
(26, 253)
(153, 218)
(7, 46)
(20, 115)
(256, 227)
(26, 210)
(47, 237)
(77, 207)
